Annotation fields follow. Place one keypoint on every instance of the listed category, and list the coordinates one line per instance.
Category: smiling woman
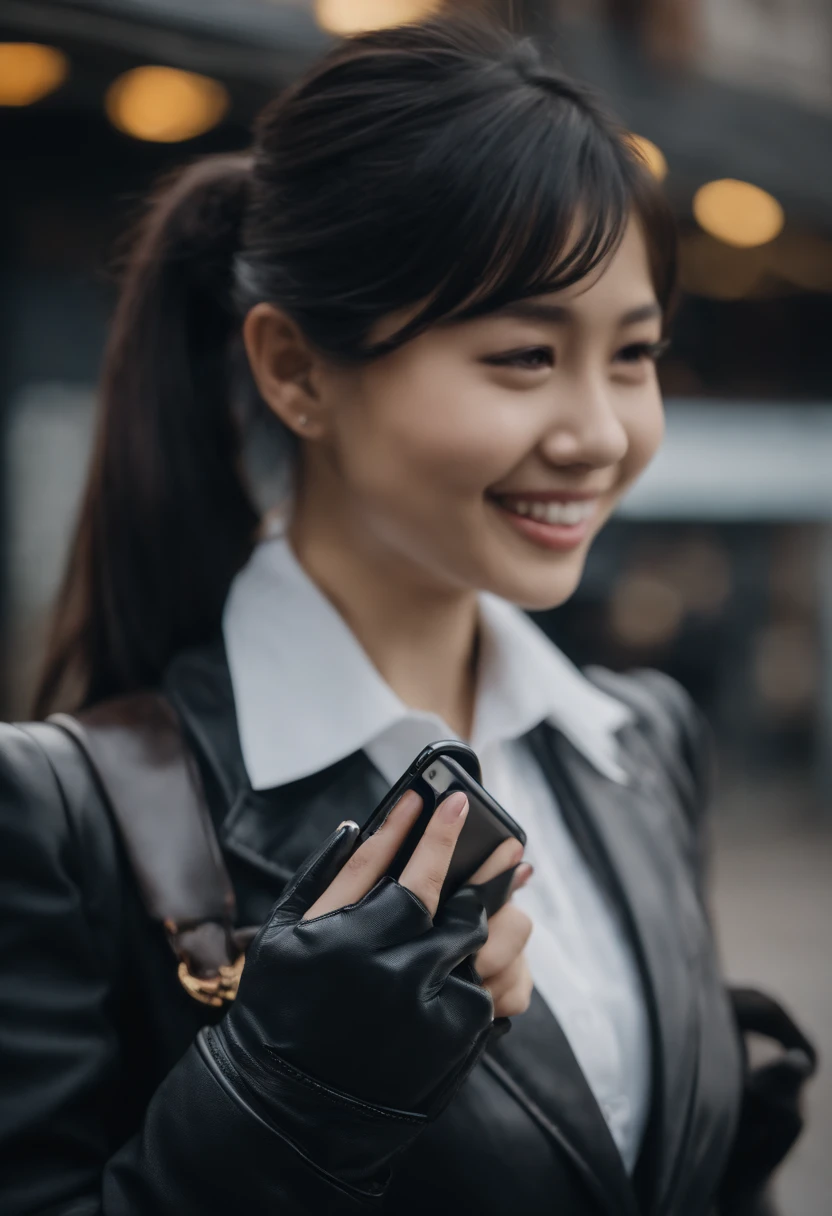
(551, 403)
(341, 240)
(448, 277)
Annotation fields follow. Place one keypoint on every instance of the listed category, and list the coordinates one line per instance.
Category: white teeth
(566, 514)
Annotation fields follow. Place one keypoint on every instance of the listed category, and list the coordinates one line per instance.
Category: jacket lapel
(276, 830)
(536, 1065)
(627, 833)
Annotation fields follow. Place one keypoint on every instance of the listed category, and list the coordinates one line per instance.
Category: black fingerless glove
(352, 1029)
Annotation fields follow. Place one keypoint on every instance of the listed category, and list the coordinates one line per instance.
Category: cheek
(645, 431)
(442, 435)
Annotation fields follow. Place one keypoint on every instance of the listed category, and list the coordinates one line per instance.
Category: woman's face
(488, 454)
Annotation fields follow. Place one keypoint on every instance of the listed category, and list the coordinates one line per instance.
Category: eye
(636, 351)
(531, 358)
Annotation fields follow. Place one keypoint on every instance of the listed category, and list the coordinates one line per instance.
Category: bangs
(543, 204)
(433, 173)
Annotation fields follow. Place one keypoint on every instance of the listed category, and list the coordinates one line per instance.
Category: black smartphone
(438, 771)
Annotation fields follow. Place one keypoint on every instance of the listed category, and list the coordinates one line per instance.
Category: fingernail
(454, 807)
(347, 823)
(521, 876)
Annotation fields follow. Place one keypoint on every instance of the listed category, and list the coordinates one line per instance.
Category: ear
(284, 367)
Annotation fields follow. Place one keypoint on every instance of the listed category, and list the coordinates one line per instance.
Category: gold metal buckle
(215, 990)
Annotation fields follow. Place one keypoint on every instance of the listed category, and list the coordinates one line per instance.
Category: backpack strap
(150, 781)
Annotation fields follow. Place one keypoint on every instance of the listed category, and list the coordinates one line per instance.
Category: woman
(450, 279)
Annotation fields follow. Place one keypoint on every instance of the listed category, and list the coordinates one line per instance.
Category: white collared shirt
(306, 695)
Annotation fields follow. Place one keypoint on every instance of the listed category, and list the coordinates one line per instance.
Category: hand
(501, 963)
(424, 874)
(355, 980)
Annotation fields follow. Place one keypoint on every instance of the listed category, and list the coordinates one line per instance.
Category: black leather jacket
(109, 1107)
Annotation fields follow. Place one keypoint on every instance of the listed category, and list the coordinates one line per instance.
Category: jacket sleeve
(204, 1146)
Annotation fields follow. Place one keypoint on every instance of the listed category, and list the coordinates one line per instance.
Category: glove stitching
(219, 1057)
(332, 1095)
(345, 1100)
(370, 1190)
(357, 904)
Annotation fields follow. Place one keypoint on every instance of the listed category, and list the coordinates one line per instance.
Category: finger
(318, 871)
(501, 983)
(505, 856)
(425, 873)
(508, 932)
(373, 859)
(521, 876)
(514, 996)
(497, 891)
(459, 931)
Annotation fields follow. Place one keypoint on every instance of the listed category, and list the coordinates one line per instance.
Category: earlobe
(282, 364)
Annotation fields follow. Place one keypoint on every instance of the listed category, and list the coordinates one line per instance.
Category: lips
(551, 521)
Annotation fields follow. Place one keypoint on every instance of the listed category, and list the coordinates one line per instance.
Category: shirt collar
(525, 679)
(307, 695)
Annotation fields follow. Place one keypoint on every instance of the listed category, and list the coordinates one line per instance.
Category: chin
(542, 590)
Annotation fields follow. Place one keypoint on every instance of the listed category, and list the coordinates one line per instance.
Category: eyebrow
(557, 314)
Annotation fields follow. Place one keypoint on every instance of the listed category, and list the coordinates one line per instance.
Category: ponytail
(165, 521)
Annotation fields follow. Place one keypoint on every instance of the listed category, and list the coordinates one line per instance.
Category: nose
(586, 427)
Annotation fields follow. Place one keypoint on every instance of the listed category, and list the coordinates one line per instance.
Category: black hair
(440, 170)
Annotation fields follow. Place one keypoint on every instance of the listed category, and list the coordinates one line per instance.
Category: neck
(421, 638)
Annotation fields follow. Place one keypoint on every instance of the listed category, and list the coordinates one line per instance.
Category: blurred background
(719, 567)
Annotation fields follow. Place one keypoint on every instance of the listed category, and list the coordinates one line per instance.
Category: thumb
(315, 874)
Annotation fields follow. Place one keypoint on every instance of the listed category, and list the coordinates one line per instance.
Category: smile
(550, 523)
(568, 513)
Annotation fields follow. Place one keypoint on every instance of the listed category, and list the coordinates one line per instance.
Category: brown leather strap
(152, 785)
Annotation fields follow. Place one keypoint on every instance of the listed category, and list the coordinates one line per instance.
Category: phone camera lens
(431, 774)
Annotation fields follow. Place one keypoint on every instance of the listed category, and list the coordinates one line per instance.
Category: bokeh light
(738, 213)
(708, 267)
(355, 16)
(30, 71)
(645, 611)
(804, 259)
(785, 666)
(702, 575)
(651, 154)
(165, 105)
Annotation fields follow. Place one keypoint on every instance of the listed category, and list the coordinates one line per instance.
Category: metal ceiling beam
(706, 129)
(268, 43)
